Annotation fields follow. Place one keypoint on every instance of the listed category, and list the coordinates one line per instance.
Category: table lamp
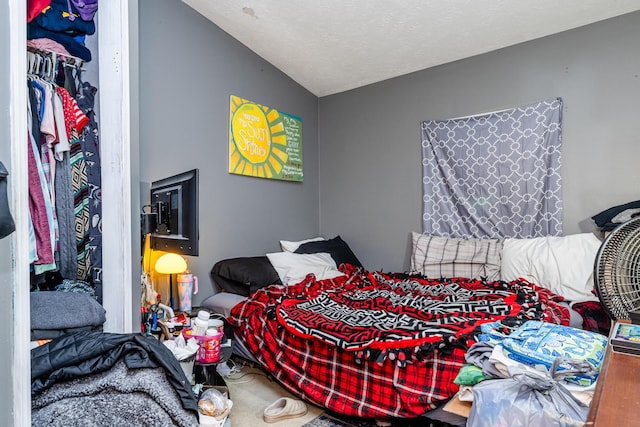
(171, 264)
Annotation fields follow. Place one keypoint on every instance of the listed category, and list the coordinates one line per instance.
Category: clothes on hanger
(89, 140)
(64, 188)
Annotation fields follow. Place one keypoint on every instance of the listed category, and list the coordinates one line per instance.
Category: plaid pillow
(436, 257)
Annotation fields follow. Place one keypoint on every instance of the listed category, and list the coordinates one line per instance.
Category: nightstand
(207, 374)
(615, 400)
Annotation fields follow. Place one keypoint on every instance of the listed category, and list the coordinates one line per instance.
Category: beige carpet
(251, 391)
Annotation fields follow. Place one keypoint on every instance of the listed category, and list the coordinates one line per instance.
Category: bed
(374, 344)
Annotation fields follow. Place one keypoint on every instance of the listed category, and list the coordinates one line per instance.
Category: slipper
(284, 408)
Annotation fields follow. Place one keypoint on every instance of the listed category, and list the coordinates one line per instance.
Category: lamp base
(171, 301)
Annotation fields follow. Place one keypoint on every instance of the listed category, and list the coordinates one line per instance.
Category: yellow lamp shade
(171, 264)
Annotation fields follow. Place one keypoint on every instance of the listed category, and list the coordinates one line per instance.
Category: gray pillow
(435, 257)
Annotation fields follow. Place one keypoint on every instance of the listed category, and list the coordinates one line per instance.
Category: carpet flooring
(325, 420)
(251, 390)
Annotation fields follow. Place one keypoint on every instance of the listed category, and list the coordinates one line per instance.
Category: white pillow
(293, 268)
(289, 246)
(563, 265)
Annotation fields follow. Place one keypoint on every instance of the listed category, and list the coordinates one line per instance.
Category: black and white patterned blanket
(379, 311)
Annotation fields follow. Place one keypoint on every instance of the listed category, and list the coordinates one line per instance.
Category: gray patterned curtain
(494, 175)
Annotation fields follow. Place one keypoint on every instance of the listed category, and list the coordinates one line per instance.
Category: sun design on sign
(257, 140)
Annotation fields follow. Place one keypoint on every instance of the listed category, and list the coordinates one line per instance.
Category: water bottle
(201, 323)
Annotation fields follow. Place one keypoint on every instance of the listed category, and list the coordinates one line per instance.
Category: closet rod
(482, 114)
(77, 62)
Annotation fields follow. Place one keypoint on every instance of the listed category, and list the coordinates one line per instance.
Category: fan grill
(617, 270)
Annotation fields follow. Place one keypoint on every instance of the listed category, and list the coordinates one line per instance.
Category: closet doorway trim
(115, 136)
(20, 329)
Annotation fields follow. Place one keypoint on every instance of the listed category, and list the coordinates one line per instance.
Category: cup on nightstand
(217, 324)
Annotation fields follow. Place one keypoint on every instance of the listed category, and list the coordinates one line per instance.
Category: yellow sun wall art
(264, 142)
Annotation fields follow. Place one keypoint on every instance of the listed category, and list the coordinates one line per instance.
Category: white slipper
(284, 408)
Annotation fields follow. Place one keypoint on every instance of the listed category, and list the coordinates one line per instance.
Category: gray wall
(188, 70)
(6, 274)
(369, 138)
(362, 162)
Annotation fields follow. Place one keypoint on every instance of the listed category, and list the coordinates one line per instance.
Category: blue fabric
(54, 19)
(538, 344)
(40, 88)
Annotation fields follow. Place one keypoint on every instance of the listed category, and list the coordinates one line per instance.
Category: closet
(117, 54)
(65, 192)
(64, 170)
(111, 75)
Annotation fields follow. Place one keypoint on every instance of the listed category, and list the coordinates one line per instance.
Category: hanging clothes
(89, 140)
(75, 121)
(63, 204)
(65, 226)
(67, 254)
(40, 203)
(39, 209)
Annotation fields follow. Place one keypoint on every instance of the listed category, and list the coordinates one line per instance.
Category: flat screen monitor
(175, 202)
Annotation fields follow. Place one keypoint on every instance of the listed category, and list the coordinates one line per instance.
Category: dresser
(616, 400)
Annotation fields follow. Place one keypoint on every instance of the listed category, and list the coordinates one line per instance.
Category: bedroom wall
(369, 138)
(188, 69)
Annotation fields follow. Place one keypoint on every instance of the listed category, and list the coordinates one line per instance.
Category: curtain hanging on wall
(494, 175)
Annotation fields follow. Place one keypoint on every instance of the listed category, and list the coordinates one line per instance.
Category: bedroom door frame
(116, 154)
(19, 190)
(115, 126)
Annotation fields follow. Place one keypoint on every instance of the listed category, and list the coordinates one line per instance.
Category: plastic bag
(212, 403)
(213, 408)
(527, 399)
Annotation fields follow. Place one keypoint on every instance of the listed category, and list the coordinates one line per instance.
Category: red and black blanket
(372, 344)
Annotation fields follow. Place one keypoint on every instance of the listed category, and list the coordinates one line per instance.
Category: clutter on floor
(283, 409)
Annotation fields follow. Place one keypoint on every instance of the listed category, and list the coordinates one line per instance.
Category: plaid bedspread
(375, 345)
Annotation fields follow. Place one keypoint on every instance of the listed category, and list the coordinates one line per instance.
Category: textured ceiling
(330, 46)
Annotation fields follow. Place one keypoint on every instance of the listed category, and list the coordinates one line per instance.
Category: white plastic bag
(527, 399)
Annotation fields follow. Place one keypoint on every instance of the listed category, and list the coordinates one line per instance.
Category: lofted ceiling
(331, 46)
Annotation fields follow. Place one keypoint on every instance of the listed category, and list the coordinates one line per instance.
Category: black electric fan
(617, 270)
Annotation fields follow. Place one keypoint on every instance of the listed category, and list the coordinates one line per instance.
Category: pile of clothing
(610, 218)
(61, 25)
(538, 374)
(96, 378)
(56, 313)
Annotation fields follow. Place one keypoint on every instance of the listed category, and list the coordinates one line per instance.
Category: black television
(174, 200)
